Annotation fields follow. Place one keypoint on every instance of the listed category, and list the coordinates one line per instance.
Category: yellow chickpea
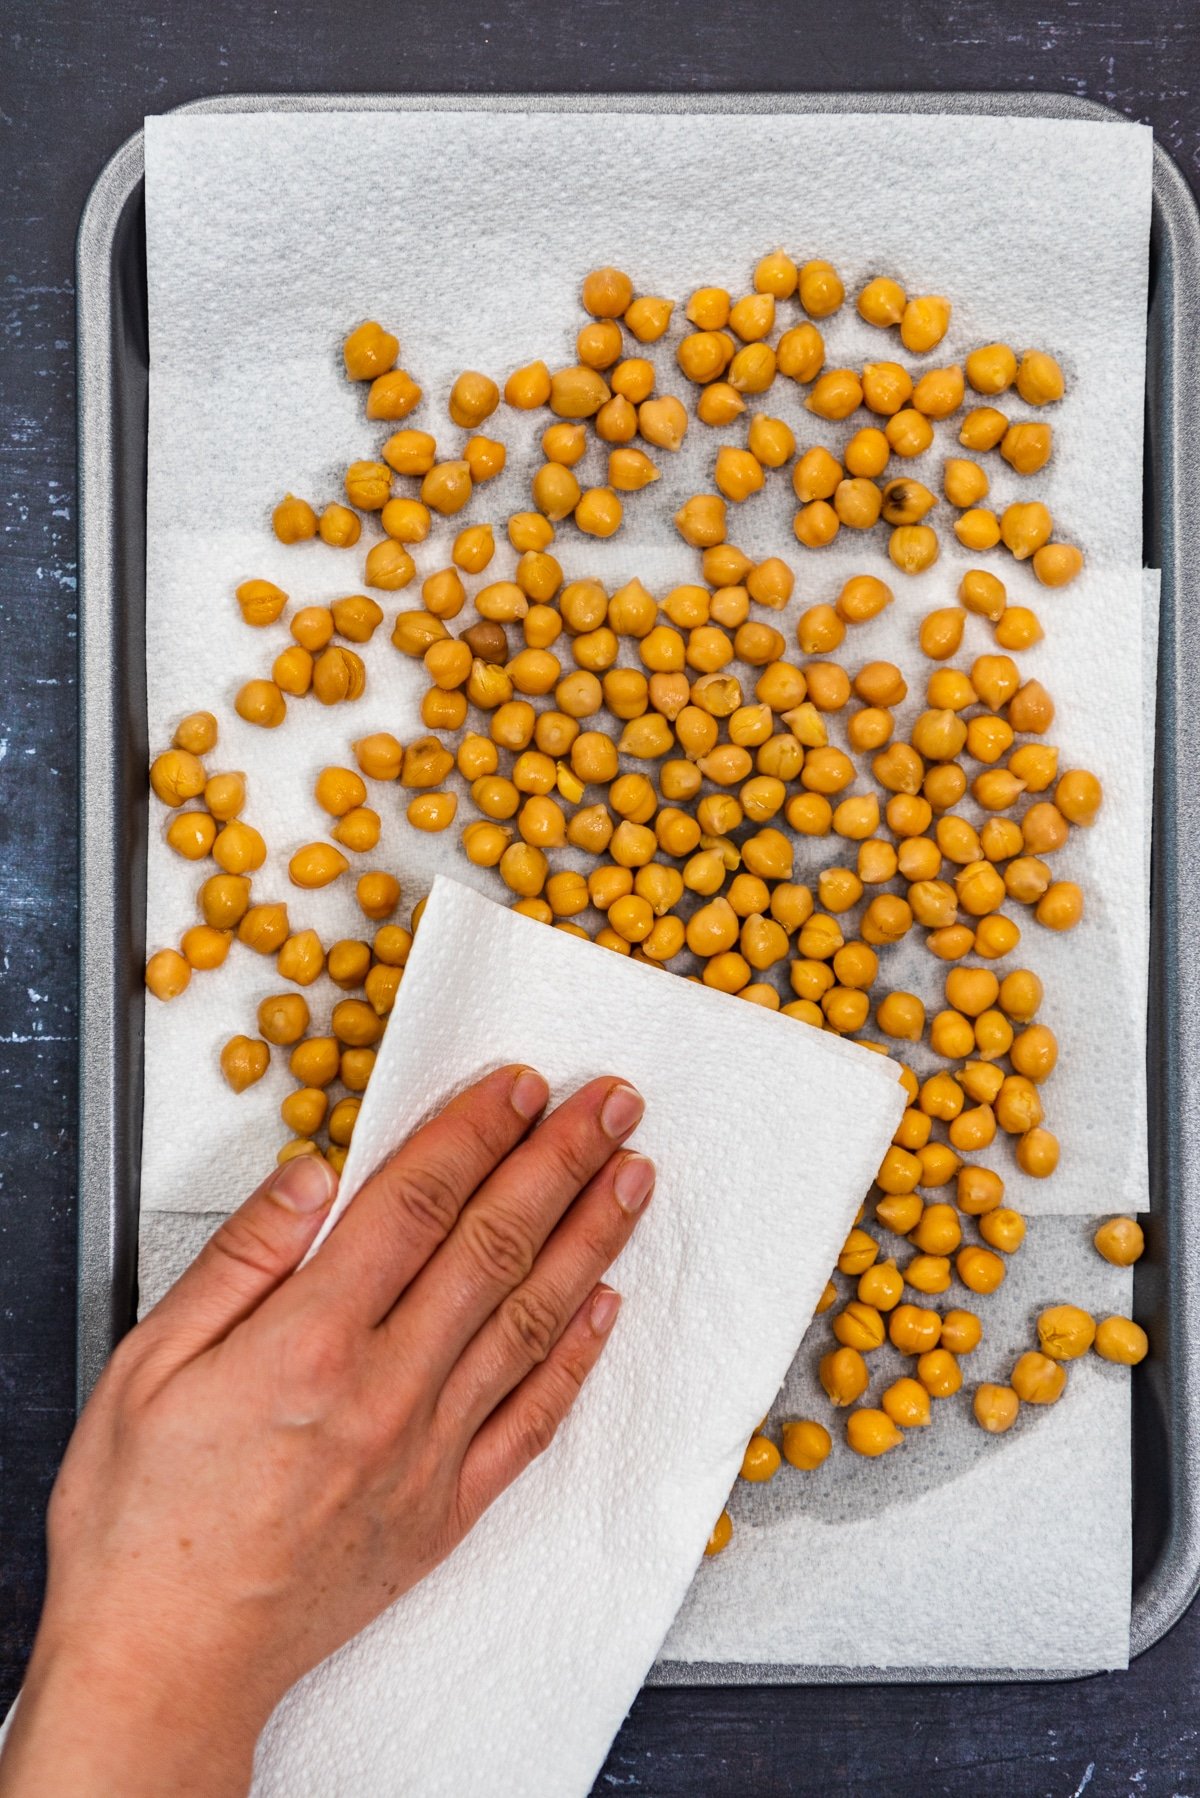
(977, 528)
(1037, 1380)
(801, 352)
(924, 322)
(835, 394)
(738, 473)
(1039, 379)
(913, 548)
(1037, 1153)
(1119, 1339)
(871, 1433)
(939, 392)
(992, 368)
(1060, 906)
(700, 521)
(263, 928)
(806, 1444)
(1121, 1241)
(819, 288)
(886, 389)
(914, 1330)
(964, 482)
(663, 422)
(881, 302)
(844, 1375)
(294, 520)
(177, 776)
(392, 396)
(995, 1408)
(244, 1061)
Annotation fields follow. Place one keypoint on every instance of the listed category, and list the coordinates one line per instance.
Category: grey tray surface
(113, 380)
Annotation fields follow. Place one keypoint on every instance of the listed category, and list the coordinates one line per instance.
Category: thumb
(252, 1253)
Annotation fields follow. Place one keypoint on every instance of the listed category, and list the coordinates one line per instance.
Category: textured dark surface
(75, 80)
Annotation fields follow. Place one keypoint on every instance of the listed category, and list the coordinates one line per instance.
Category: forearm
(93, 1724)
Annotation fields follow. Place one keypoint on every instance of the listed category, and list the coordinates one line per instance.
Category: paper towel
(267, 407)
(544, 1621)
(1055, 211)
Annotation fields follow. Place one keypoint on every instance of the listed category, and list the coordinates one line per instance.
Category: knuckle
(571, 1159)
(244, 1240)
(429, 1197)
(533, 1324)
(317, 1359)
(539, 1426)
(500, 1246)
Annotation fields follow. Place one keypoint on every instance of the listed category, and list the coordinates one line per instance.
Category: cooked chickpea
(663, 422)
(913, 1330)
(881, 302)
(995, 1408)
(1037, 1380)
(964, 482)
(244, 1061)
(977, 528)
(806, 1444)
(1119, 1339)
(871, 1433)
(264, 928)
(1037, 1153)
(294, 520)
(1060, 906)
(761, 1460)
(835, 394)
(844, 1375)
(378, 894)
(924, 322)
(1121, 1241)
(913, 548)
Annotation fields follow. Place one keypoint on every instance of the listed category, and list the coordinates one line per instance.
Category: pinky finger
(523, 1427)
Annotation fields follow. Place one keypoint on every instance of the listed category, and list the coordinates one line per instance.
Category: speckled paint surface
(75, 79)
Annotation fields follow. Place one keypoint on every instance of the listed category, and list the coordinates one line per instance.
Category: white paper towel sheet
(541, 1625)
(268, 237)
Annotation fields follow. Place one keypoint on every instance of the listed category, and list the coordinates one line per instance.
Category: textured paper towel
(247, 397)
(544, 1621)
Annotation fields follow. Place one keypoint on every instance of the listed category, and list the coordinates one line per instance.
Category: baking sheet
(212, 370)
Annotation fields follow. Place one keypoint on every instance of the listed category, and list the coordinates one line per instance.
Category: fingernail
(529, 1093)
(305, 1184)
(621, 1111)
(604, 1310)
(633, 1183)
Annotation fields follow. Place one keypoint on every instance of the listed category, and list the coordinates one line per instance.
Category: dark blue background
(76, 78)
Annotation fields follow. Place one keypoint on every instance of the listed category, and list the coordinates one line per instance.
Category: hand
(272, 1456)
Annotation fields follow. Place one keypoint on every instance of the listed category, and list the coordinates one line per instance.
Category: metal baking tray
(113, 376)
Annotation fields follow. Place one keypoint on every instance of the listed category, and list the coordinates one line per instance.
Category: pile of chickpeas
(640, 769)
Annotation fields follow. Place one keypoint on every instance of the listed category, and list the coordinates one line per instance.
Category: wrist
(106, 1713)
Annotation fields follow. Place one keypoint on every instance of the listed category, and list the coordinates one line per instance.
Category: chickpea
(600, 344)
(1060, 906)
(1018, 1107)
(294, 520)
(1003, 1229)
(806, 1444)
(995, 1408)
(301, 958)
(939, 1373)
(1037, 1153)
(913, 1330)
(244, 1061)
(939, 392)
(881, 302)
(348, 965)
(203, 947)
(392, 395)
(964, 482)
(223, 900)
(192, 834)
(924, 322)
(844, 1375)
(801, 353)
(264, 928)
(835, 394)
(886, 920)
(1121, 1241)
(980, 1270)
(528, 388)
(1039, 379)
(863, 597)
(1119, 1339)
(913, 548)
(871, 1433)
(261, 602)
(901, 1015)
(738, 473)
(378, 894)
(283, 1018)
(928, 1274)
(369, 350)
(1037, 1380)
(938, 1233)
(941, 633)
(701, 520)
(977, 528)
(663, 422)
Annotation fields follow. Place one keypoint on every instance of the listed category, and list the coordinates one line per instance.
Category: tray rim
(1165, 1593)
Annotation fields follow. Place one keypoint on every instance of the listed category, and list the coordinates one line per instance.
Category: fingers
(252, 1253)
(412, 1204)
(525, 1424)
(500, 1233)
(525, 1327)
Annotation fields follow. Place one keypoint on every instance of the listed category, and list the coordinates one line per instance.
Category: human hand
(271, 1457)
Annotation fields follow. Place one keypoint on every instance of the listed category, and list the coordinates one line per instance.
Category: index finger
(406, 1210)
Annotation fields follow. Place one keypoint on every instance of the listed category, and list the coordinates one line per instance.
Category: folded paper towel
(509, 1670)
